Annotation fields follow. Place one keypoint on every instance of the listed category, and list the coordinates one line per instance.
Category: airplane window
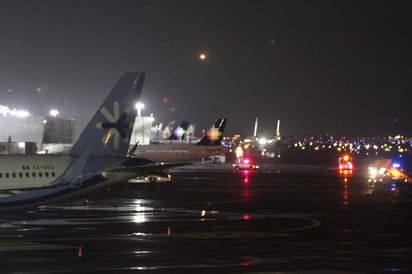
(14, 175)
(20, 174)
(7, 175)
(27, 174)
(33, 174)
(53, 174)
(47, 174)
(40, 174)
(1, 175)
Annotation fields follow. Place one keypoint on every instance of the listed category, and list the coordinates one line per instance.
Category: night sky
(342, 68)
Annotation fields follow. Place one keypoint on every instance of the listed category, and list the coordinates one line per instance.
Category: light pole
(139, 106)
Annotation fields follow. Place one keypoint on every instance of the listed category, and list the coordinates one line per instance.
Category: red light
(246, 217)
(247, 263)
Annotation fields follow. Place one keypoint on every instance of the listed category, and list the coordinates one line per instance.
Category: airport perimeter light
(54, 112)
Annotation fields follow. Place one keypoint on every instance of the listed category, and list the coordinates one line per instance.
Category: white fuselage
(30, 171)
(27, 180)
(176, 152)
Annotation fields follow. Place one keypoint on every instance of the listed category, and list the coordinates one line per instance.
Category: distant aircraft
(97, 159)
(209, 145)
(180, 131)
(190, 133)
(167, 131)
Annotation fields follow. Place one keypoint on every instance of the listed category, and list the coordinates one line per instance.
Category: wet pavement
(280, 218)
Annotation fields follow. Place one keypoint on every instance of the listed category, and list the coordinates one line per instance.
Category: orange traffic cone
(80, 252)
(169, 232)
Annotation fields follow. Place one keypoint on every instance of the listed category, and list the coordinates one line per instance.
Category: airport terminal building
(20, 134)
(34, 134)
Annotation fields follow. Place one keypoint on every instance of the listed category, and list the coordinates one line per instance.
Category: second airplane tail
(179, 132)
(214, 135)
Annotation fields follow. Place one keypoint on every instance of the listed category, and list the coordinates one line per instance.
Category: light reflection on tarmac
(285, 219)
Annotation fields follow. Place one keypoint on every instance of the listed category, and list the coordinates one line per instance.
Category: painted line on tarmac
(247, 234)
(315, 223)
(7, 246)
(228, 235)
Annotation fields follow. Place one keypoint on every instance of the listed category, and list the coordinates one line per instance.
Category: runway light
(203, 214)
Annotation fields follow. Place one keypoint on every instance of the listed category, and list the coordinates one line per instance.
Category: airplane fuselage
(30, 171)
(35, 179)
(176, 152)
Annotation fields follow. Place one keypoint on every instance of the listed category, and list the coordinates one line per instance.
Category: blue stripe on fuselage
(35, 197)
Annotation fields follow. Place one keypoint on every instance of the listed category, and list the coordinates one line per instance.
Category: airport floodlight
(19, 113)
(139, 106)
(54, 112)
(262, 141)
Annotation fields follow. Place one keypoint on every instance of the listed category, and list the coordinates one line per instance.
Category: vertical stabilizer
(167, 131)
(179, 132)
(190, 132)
(109, 131)
(278, 130)
(214, 135)
(256, 127)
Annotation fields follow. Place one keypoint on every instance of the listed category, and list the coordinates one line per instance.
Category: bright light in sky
(254, 56)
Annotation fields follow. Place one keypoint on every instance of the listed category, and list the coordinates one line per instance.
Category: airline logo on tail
(214, 135)
(216, 132)
(115, 124)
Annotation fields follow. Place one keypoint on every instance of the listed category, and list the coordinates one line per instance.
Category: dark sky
(337, 67)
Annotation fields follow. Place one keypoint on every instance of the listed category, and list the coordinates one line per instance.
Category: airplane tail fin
(167, 131)
(190, 132)
(109, 131)
(179, 132)
(214, 135)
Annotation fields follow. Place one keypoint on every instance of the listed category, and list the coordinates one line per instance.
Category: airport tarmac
(210, 219)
